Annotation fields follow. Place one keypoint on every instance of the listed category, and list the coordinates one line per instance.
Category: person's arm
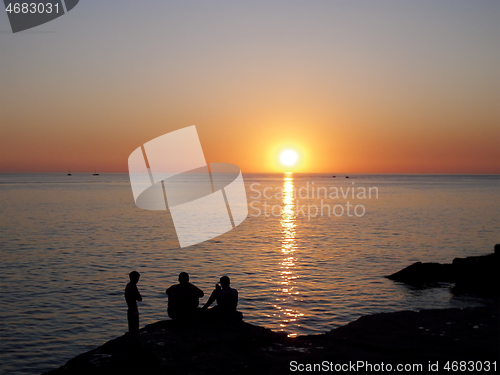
(200, 292)
(197, 290)
(212, 298)
(138, 295)
(166, 291)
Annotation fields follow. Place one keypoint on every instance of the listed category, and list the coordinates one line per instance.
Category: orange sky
(370, 87)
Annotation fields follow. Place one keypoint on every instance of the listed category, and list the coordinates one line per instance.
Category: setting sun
(288, 157)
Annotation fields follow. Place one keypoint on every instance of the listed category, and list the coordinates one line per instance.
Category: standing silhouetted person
(183, 299)
(132, 295)
(227, 301)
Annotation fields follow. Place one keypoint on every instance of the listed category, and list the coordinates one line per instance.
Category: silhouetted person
(227, 301)
(132, 295)
(183, 299)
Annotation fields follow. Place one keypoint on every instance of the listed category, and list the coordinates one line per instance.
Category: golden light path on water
(285, 305)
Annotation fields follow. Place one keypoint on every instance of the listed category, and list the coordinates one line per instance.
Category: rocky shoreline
(479, 275)
(405, 337)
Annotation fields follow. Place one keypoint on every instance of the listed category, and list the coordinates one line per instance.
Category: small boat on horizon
(95, 173)
(69, 172)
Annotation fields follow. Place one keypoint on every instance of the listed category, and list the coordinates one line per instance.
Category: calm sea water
(68, 244)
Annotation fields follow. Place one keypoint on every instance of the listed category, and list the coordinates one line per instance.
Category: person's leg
(136, 320)
(133, 320)
(216, 313)
(130, 322)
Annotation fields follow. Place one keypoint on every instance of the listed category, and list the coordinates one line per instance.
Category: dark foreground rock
(405, 337)
(477, 275)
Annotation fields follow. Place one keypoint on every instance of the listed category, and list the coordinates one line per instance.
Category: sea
(310, 256)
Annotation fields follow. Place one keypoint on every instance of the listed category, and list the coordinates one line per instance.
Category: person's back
(227, 298)
(183, 298)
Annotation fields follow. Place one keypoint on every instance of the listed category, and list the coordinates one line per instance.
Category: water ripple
(67, 249)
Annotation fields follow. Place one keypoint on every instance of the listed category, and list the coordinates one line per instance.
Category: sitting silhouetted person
(183, 299)
(227, 301)
(132, 295)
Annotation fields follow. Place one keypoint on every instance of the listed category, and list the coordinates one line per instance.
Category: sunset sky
(352, 86)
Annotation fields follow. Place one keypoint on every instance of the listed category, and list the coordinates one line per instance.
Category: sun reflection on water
(286, 300)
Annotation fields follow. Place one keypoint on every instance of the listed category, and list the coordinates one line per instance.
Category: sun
(289, 157)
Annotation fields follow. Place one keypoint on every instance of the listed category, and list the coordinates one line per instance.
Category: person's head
(134, 276)
(224, 281)
(183, 277)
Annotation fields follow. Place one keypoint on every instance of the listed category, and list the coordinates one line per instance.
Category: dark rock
(170, 347)
(435, 334)
(401, 337)
(420, 273)
(477, 275)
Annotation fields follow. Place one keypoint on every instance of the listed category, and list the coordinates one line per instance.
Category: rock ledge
(204, 348)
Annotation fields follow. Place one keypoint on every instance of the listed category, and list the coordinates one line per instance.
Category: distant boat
(334, 176)
(346, 176)
(95, 173)
(69, 172)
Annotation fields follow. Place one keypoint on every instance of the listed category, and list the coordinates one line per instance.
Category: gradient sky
(353, 86)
